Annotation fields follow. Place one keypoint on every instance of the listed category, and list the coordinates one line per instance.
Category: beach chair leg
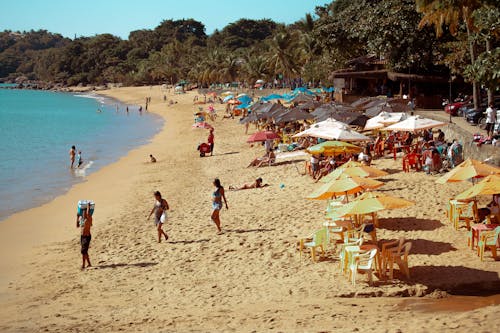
(313, 253)
(494, 252)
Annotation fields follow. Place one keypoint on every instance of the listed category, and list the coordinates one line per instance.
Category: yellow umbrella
(330, 148)
(489, 185)
(352, 168)
(468, 169)
(344, 185)
(370, 202)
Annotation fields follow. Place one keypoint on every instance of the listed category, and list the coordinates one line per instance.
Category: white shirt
(491, 115)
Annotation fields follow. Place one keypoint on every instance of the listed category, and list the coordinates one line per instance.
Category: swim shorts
(85, 242)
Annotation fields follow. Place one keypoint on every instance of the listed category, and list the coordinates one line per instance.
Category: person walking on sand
(491, 119)
(85, 223)
(217, 197)
(160, 210)
(72, 153)
(211, 141)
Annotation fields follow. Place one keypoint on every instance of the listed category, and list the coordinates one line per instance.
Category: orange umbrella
(368, 203)
(352, 168)
(468, 169)
(489, 185)
(344, 185)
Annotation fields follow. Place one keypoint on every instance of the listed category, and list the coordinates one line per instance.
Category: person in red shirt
(211, 141)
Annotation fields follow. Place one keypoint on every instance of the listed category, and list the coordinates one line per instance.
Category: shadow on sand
(243, 231)
(139, 264)
(409, 224)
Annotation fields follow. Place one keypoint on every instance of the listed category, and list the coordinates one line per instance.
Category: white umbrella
(384, 119)
(414, 124)
(331, 129)
(260, 81)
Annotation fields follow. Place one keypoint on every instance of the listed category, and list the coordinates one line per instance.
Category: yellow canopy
(344, 185)
(368, 203)
(489, 185)
(331, 148)
(468, 169)
(352, 168)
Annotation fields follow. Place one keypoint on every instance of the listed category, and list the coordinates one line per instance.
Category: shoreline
(61, 209)
(108, 155)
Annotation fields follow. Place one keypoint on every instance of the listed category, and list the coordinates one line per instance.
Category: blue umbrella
(245, 99)
(228, 98)
(271, 97)
(243, 106)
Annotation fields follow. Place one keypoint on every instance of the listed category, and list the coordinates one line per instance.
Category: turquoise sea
(37, 129)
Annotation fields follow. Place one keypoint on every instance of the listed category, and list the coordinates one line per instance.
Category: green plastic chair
(319, 241)
(489, 240)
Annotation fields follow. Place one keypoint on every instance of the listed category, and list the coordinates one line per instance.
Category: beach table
(454, 210)
(478, 228)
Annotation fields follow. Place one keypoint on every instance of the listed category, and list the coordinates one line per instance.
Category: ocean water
(37, 129)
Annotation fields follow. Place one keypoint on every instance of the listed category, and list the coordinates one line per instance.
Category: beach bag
(83, 204)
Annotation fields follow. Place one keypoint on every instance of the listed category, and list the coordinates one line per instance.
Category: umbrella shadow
(139, 264)
(428, 247)
(243, 231)
(186, 242)
(287, 162)
(457, 280)
(392, 171)
(228, 153)
(409, 224)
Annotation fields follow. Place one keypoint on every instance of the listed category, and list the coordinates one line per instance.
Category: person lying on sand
(256, 184)
(268, 158)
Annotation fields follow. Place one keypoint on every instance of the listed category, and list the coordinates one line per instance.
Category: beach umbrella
(271, 97)
(384, 119)
(330, 148)
(301, 98)
(415, 124)
(294, 114)
(370, 202)
(263, 136)
(227, 93)
(468, 169)
(345, 185)
(244, 98)
(361, 102)
(348, 117)
(333, 130)
(302, 90)
(227, 98)
(488, 186)
(352, 168)
(260, 82)
(311, 105)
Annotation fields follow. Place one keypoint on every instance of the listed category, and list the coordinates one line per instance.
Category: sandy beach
(249, 279)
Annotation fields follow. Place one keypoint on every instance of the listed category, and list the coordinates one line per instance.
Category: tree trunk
(490, 90)
(472, 50)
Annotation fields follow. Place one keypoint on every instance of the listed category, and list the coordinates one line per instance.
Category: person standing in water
(160, 210)
(217, 197)
(85, 223)
(79, 159)
(72, 153)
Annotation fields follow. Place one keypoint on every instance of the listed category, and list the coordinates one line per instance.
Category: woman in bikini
(256, 184)
(217, 197)
(160, 210)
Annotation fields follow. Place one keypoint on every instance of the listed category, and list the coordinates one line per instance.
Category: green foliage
(248, 50)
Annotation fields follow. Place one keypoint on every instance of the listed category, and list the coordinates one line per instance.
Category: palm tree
(282, 57)
(451, 13)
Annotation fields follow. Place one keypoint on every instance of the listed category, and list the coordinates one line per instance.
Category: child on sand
(152, 158)
(160, 210)
(85, 223)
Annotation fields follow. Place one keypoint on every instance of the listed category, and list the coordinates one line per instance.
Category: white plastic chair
(363, 262)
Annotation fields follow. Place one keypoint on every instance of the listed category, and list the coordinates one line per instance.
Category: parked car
(454, 107)
(478, 116)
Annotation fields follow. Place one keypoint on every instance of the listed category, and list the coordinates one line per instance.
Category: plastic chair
(394, 246)
(488, 240)
(363, 262)
(342, 254)
(319, 241)
(465, 213)
(401, 259)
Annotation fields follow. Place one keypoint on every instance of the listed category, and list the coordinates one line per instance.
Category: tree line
(444, 37)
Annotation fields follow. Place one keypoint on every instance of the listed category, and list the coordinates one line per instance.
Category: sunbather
(256, 184)
(269, 158)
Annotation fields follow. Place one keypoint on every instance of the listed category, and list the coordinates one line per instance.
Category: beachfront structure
(369, 76)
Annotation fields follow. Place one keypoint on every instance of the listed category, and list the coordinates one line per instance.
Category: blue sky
(119, 17)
